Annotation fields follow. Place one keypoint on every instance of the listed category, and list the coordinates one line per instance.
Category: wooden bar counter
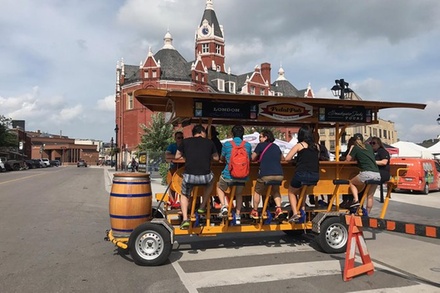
(329, 170)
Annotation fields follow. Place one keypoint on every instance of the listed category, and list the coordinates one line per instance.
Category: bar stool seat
(368, 183)
(264, 214)
(233, 184)
(305, 186)
(195, 197)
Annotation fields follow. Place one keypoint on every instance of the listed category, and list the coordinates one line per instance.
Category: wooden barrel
(130, 202)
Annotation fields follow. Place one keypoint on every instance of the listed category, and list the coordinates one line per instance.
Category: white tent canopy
(435, 150)
(254, 139)
(412, 150)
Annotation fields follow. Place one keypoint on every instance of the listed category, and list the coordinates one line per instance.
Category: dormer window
(221, 85)
(231, 87)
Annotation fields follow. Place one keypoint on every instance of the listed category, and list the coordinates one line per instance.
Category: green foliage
(158, 134)
(163, 171)
(8, 138)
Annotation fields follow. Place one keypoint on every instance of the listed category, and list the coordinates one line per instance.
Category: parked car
(15, 165)
(40, 162)
(55, 163)
(2, 166)
(33, 164)
(81, 163)
(46, 162)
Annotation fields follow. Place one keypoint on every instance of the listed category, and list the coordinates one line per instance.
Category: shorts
(223, 184)
(189, 180)
(261, 188)
(369, 175)
(304, 177)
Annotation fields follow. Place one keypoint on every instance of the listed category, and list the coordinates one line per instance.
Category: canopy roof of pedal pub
(183, 108)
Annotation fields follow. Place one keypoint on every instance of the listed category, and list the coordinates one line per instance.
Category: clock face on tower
(205, 31)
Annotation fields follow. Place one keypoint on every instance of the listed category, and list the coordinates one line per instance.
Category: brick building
(208, 72)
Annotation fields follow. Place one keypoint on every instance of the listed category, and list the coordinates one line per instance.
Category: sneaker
(224, 211)
(201, 211)
(237, 219)
(175, 205)
(254, 214)
(279, 214)
(185, 225)
(346, 205)
(355, 204)
(295, 218)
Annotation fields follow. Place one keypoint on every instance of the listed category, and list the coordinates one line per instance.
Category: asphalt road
(53, 222)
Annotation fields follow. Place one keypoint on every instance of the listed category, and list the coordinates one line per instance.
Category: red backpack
(239, 163)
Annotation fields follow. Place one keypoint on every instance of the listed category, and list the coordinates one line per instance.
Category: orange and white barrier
(356, 239)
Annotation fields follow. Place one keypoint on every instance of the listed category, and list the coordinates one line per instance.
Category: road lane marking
(30, 176)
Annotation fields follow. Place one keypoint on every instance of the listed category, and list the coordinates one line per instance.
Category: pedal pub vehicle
(148, 232)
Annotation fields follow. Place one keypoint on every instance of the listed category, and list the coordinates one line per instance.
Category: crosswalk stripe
(263, 274)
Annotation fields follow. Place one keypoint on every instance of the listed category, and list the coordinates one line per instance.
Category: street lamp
(116, 145)
(111, 152)
(341, 90)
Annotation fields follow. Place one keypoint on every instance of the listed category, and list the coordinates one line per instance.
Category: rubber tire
(328, 240)
(426, 189)
(154, 237)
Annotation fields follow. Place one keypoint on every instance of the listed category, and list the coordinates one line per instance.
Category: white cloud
(106, 104)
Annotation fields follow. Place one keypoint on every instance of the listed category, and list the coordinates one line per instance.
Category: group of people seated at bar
(198, 152)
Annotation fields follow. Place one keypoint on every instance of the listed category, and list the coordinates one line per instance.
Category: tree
(158, 134)
(7, 137)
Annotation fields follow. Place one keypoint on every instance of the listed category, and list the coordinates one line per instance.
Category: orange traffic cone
(356, 239)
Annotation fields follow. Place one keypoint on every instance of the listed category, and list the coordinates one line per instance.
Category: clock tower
(209, 40)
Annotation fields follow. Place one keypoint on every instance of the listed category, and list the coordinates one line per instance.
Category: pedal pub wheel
(333, 236)
(150, 244)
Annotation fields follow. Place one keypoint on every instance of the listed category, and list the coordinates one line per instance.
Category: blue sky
(58, 58)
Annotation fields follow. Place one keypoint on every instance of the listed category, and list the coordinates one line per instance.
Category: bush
(163, 171)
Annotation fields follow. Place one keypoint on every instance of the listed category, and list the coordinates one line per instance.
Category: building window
(154, 73)
(129, 101)
(332, 145)
(231, 87)
(205, 48)
(321, 131)
(332, 131)
(221, 85)
(218, 49)
(252, 90)
(146, 74)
